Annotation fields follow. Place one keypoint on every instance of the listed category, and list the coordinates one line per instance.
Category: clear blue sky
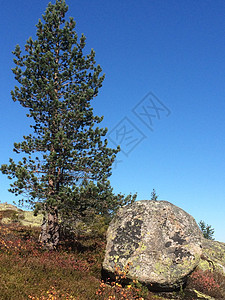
(173, 49)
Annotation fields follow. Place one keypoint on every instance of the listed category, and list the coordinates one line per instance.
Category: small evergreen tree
(154, 196)
(207, 230)
(67, 162)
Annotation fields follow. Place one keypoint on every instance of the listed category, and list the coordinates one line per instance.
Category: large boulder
(160, 241)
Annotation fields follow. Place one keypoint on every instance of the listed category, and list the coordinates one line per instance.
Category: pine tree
(154, 196)
(206, 230)
(67, 152)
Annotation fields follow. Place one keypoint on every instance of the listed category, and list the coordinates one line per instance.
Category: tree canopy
(67, 162)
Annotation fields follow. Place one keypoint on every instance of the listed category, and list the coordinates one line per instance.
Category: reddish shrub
(206, 282)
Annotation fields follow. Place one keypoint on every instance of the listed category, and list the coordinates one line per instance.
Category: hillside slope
(11, 214)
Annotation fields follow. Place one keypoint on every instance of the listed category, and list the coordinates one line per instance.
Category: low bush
(118, 289)
(211, 283)
(30, 272)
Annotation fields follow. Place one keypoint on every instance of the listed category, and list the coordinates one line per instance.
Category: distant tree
(67, 162)
(207, 230)
(154, 196)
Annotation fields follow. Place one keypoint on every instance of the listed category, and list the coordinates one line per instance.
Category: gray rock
(194, 294)
(161, 242)
(213, 256)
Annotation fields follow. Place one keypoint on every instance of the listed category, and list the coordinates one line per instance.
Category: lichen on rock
(213, 256)
(161, 242)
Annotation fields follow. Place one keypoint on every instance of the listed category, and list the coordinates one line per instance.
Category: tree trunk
(49, 236)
